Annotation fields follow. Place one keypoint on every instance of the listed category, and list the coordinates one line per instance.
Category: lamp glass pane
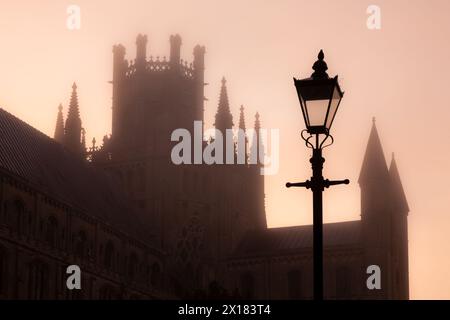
(317, 111)
(334, 103)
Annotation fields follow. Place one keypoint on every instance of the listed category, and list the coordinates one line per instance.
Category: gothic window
(132, 266)
(247, 285)
(343, 283)
(81, 244)
(38, 280)
(109, 256)
(51, 231)
(190, 245)
(294, 278)
(16, 216)
(155, 279)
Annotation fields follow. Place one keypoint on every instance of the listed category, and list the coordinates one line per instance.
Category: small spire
(224, 118)
(256, 142)
(73, 115)
(59, 128)
(374, 168)
(320, 67)
(72, 133)
(400, 202)
(374, 120)
(242, 118)
(257, 122)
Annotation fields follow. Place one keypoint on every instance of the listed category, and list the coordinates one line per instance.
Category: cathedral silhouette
(141, 227)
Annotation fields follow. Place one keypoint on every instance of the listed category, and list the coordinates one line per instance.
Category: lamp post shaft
(317, 187)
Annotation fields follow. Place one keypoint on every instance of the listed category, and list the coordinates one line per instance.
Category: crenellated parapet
(156, 65)
(159, 65)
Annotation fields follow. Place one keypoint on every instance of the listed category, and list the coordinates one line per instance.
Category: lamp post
(319, 97)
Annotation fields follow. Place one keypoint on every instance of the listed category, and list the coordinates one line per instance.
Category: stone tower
(384, 221)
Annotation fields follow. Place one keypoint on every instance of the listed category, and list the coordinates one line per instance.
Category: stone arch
(80, 244)
(38, 280)
(51, 231)
(133, 263)
(109, 255)
(15, 215)
(155, 278)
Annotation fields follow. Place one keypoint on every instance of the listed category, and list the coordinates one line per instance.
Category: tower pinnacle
(72, 135)
(224, 118)
(399, 198)
(374, 168)
(59, 128)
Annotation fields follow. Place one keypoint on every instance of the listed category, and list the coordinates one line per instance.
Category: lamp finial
(320, 67)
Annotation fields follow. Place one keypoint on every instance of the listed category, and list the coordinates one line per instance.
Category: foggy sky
(399, 74)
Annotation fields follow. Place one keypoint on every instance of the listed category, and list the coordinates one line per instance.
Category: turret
(399, 254)
(175, 48)
(119, 70)
(399, 202)
(374, 176)
(199, 78)
(141, 55)
(376, 214)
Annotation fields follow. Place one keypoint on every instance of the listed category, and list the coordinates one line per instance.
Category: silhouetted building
(208, 223)
(57, 210)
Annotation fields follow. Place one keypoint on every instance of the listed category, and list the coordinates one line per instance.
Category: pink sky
(399, 74)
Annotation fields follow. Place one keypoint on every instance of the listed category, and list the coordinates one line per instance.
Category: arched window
(80, 244)
(247, 285)
(51, 230)
(38, 280)
(109, 256)
(132, 266)
(16, 215)
(155, 279)
(294, 278)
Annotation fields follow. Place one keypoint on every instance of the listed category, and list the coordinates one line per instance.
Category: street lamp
(319, 97)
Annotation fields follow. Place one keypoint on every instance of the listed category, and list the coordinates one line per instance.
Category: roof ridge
(45, 136)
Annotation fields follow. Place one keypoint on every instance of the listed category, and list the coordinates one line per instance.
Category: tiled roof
(46, 164)
(291, 239)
